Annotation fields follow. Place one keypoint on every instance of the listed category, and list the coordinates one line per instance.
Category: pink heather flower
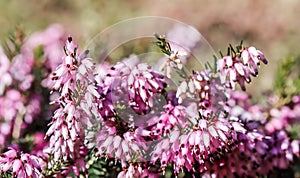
(142, 84)
(21, 164)
(65, 75)
(296, 108)
(296, 99)
(127, 146)
(66, 133)
(244, 160)
(21, 67)
(239, 98)
(39, 144)
(240, 109)
(238, 68)
(52, 41)
(206, 142)
(33, 108)
(5, 76)
(281, 118)
(130, 84)
(115, 78)
(11, 103)
(106, 106)
(201, 81)
(101, 71)
(196, 86)
(173, 116)
(205, 90)
(252, 57)
(5, 130)
(74, 67)
(283, 150)
(16, 113)
(136, 84)
(11, 110)
(256, 155)
(136, 171)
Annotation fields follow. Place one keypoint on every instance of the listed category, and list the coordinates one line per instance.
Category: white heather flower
(175, 60)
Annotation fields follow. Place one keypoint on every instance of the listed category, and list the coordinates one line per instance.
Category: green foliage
(38, 52)
(5, 175)
(56, 167)
(13, 45)
(102, 167)
(163, 44)
(287, 82)
(294, 131)
(231, 51)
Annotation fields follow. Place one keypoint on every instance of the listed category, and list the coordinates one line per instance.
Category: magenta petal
(10, 154)
(17, 165)
(29, 169)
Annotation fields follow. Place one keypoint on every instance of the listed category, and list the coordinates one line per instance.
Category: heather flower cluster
(21, 164)
(238, 67)
(129, 120)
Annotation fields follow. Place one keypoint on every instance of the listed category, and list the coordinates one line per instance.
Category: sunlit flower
(66, 131)
(21, 164)
(238, 68)
(128, 112)
(125, 147)
(142, 84)
(206, 142)
(173, 116)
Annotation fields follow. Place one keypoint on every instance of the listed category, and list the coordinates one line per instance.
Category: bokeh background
(271, 26)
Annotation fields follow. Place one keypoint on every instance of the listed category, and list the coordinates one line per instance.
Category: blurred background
(271, 26)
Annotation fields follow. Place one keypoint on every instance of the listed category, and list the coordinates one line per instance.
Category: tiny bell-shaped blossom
(73, 78)
(113, 145)
(237, 68)
(175, 60)
(65, 74)
(206, 142)
(137, 171)
(196, 86)
(177, 57)
(142, 84)
(173, 116)
(21, 164)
